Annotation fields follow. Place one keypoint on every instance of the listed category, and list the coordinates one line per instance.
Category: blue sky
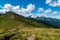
(49, 8)
(37, 3)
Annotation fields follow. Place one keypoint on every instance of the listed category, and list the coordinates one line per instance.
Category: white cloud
(23, 10)
(8, 7)
(44, 11)
(27, 11)
(17, 9)
(2, 11)
(33, 16)
(48, 11)
(55, 12)
(40, 9)
(48, 1)
(53, 3)
(30, 7)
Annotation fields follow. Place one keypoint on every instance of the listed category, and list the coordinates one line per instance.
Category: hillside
(17, 27)
(49, 21)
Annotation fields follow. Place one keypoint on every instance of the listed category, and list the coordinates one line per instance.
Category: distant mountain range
(49, 21)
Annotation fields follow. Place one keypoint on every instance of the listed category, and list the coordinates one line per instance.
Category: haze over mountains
(49, 21)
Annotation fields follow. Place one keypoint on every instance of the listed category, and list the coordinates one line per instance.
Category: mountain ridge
(50, 21)
(14, 26)
(11, 15)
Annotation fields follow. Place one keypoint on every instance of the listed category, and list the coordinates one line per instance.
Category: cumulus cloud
(2, 11)
(48, 11)
(44, 11)
(8, 7)
(17, 9)
(55, 12)
(28, 11)
(40, 9)
(53, 3)
(48, 1)
(30, 7)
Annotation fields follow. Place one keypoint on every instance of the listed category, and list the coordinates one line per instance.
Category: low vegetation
(16, 27)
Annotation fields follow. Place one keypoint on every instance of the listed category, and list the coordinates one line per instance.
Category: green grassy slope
(13, 26)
